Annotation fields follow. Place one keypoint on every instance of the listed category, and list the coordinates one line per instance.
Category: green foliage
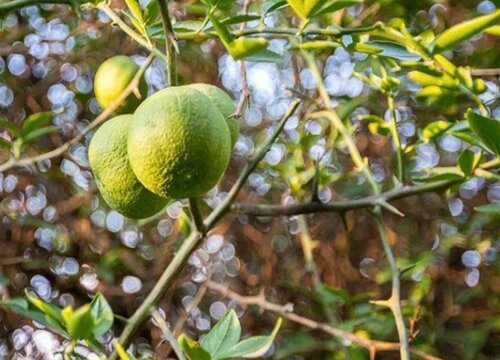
(223, 342)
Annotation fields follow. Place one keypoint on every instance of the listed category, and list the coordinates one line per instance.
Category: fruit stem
(170, 43)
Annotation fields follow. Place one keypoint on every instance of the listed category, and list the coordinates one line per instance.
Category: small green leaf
(151, 12)
(334, 5)
(21, 307)
(489, 208)
(242, 18)
(122, 353)
(487, 129)
(463, 31)
(394, 50)
(36, 121)
(434, 129)
(273, 5)
(192, 349)
(254, 347)
(468, 161)
(49, 309)
(135, 9)
(225, 334)
(102, 314)
(33, 135)
(79, 322)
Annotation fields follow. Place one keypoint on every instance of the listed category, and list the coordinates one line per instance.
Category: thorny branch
(373, 346)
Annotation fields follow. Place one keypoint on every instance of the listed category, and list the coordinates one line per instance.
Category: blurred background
(59, 239)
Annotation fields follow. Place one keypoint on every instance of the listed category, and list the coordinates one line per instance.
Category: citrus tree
(340, 135)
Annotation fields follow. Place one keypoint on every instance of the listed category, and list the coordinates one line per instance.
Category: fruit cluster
(176, 144)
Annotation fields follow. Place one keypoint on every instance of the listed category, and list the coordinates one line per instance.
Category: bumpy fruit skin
(179, 144)
(114, 177)
(112, 77)
(222, 100)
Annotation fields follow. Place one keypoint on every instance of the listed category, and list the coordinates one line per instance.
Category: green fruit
(179, 143)
(114, 177)
(112, 77)
(222, 100)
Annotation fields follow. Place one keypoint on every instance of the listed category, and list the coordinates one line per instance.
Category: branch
(162, 285)
(170, 43)
(168, 335)
(132, 86)
(340, 206)
(286, 311)
(130, 32)
(225, 205)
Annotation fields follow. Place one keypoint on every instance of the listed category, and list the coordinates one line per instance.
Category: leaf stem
(170, 43)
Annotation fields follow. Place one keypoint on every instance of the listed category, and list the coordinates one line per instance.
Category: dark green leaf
(5, 143)
(102, 315)
(468, 161)
(487, 129)
(151, 12)
(334, 5)
(238, 19)
(225, 334)
(273, 5)
(192, 349)
(394, 50)
(36, 121)
(489, 208)
(331, 296)
(264, 56)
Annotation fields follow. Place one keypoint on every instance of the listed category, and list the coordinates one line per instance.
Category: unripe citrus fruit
(222, 100)
(179, 143)
(112, 77)
(114, 177)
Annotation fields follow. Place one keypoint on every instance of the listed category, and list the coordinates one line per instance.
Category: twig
(197, 216)
(168, 335)
(170, 43)
(287, 312)
(11, 163)
(196, 301)
(130, 32)
(396, 140)
(245, 92)
(486, 72)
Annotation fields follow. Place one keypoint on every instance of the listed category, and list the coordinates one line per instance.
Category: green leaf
(434, 129)
(489, 208)
(468, 161)
(463, 31)
(254, 347)
(238, 19)
(487, 129)
(334, 5)
(442, 173)
(273, 5)
(225, 334)
(331, 296)
(394, 50)
(192, 349)
(49, 309)
(264, 56)
(21, 307)
(151, 12)
(135, 9)
(35, 121)
(38, 133)
(79, 322)
(102, 315)
(10, 127)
